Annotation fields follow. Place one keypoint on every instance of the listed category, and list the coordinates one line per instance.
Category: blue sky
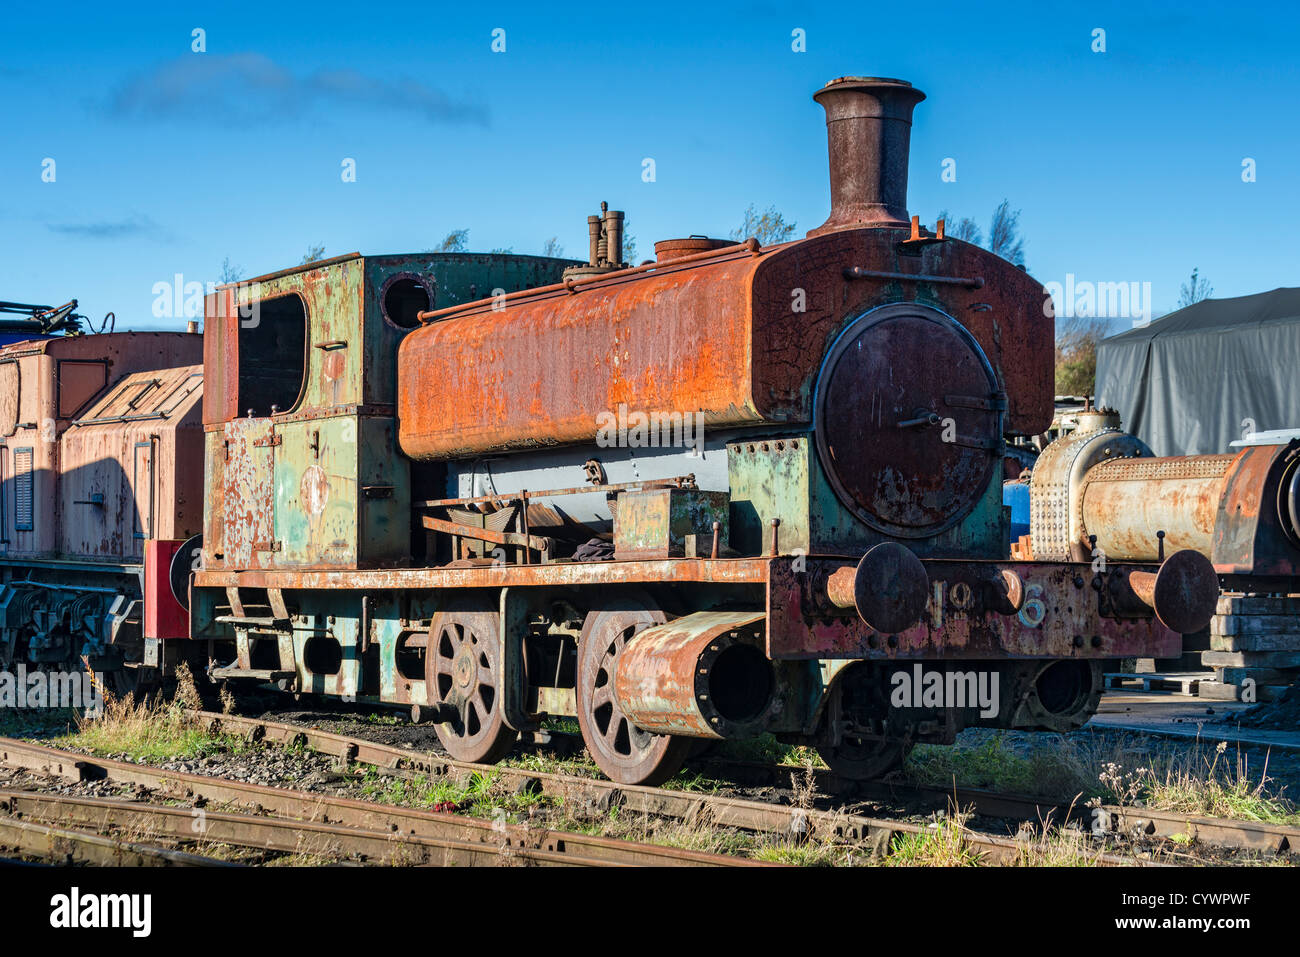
(1126, 165)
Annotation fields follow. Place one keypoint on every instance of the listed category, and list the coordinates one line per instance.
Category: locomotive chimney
(604, 244)
(614, 237)
(868, 132)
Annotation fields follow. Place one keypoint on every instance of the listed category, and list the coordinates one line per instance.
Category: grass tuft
(148, 730)
(1107, 770)
(481, 795)
(1204, 784)
(810, 854)
(943, 844)
(1059, 847)
(766, 749)
(1060, 772)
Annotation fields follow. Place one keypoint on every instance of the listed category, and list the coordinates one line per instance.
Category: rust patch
(334, 365)
(314, 490)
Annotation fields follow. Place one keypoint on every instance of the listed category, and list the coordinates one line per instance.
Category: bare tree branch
(229, 272)
(1077, 339)
(1004, 234)
(1194, 290)
(768, 227)
(965, 229)
(456, 241)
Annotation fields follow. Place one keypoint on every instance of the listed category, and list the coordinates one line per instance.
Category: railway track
(1148, 822)
(280, 835)
(1227, 834)
(304, 822)
(62, 845)
(1219, 832)
(441, 837)
(797, 823)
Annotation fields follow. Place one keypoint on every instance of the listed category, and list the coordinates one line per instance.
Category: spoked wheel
(864, 759)
(462, 666)
(623, 751)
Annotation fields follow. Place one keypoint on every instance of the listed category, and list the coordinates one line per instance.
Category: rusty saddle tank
(756, 342)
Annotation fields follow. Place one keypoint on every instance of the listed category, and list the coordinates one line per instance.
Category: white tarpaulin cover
(1199, 378)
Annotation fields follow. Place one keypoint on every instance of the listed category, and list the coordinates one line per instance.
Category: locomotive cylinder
(701, 676)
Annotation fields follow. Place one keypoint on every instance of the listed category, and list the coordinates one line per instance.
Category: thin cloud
(120, 229)
(250, 87)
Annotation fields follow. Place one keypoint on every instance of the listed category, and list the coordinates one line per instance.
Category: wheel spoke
(611, 730)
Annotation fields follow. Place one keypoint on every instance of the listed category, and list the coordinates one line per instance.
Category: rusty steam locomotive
(734, 490)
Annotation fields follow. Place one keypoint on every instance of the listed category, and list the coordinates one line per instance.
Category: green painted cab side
(331, 480)
(341, 497)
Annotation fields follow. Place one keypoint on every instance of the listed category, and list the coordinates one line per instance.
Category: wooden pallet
(1181, 682)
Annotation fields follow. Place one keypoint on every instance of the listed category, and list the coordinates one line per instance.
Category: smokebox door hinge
(269, 440)
(993, 403)
(268, 546)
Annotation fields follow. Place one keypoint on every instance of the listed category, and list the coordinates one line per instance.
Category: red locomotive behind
(101, 462)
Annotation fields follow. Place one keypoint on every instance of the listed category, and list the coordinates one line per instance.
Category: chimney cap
(901, 92)
(870, 80)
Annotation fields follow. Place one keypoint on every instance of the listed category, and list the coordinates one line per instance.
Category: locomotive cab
(303, 469)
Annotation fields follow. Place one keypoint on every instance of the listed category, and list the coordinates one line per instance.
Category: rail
(747, 815)
(376, 830)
